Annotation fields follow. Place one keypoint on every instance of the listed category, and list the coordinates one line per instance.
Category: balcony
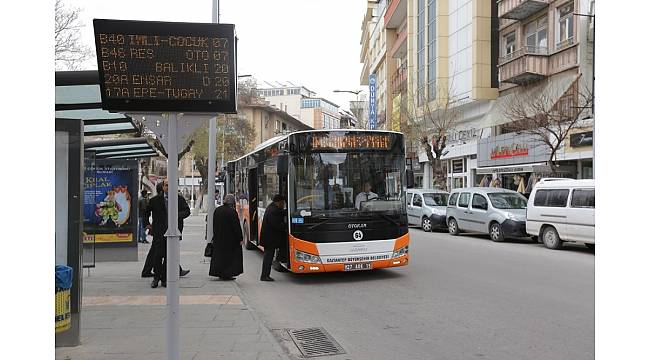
(524, 66)
(520, 9)
(395, 14)
(399, 79)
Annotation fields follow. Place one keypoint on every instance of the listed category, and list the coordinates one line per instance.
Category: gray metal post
(212, 147)
(173, 246)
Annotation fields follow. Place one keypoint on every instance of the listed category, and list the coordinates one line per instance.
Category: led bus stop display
(162, 66)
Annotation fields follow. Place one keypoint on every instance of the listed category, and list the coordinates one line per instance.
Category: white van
(562, 210)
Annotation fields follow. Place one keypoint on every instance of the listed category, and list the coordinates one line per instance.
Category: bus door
(252, 205)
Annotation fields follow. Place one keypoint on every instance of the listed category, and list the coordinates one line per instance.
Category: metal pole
(212, 147)
(192, 190)
(173, 246)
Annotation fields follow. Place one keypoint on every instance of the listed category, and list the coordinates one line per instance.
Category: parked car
(427, 208)
(500, 213)
(562, 210)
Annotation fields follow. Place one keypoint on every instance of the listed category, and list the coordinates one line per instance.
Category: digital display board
(344, 141)
(352, 141)
(163, 66)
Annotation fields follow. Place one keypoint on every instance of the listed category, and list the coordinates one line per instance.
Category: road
(462, 297)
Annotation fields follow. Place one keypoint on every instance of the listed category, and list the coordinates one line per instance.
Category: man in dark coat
(274, 233)
(158, 209)
(227, 239)
(147, 269)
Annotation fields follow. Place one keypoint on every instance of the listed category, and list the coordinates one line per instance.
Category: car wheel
(551, 238)
(426, 224)
(590, 246)
(452, 226)
(496, 233)
(249, 245)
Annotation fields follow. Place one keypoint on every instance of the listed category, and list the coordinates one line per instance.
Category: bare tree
(428, 121)
(69, 52)
(548, 116)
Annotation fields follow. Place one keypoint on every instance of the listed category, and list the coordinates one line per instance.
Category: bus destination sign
(352, 141)
(162, 66)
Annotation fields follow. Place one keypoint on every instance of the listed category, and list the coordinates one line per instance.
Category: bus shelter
(79, 116)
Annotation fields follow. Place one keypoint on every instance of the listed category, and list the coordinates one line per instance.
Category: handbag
(208, 250)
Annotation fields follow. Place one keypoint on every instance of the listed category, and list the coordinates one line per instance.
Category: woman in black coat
(227, 240)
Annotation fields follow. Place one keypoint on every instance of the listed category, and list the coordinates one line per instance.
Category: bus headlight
(308, 258)
(401, 252)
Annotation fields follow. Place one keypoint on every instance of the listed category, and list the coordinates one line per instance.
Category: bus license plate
(357, 266)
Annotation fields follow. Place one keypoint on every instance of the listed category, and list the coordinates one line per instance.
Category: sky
(314, 43)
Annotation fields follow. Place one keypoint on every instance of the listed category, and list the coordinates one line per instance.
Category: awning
(121, 148)
(77, 96)
(554, 87)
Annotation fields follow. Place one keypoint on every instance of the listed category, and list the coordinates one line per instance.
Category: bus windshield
(347, 184)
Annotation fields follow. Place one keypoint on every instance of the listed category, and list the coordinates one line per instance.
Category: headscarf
(229, 200)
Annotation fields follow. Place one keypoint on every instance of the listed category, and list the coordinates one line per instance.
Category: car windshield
(348, 184)
(507, 201)
(435, 199)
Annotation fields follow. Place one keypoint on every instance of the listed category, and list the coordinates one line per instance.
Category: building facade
(374, 59)
(545, 52)
(320, 113)
(285, 97)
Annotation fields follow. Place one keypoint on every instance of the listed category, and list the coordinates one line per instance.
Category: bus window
(333, 181)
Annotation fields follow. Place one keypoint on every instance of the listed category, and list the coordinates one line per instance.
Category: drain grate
(314, 342)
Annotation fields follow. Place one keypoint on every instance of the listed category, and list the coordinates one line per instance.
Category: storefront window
(587, 169)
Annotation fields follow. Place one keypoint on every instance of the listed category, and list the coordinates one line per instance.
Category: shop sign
(509, 151)
(456, 136)
(582, 139)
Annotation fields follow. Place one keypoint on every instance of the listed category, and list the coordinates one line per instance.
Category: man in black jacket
(274, 233)
(158, 209)
(147, 269)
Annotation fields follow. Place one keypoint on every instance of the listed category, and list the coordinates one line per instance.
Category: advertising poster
(110, 198)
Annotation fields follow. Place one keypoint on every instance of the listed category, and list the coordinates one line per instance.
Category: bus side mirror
(282, 166)
(410, 179)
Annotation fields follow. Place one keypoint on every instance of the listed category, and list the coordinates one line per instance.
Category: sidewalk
(124, 318)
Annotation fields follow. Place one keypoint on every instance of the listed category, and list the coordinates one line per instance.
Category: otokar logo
(357, 226)
(357, 235)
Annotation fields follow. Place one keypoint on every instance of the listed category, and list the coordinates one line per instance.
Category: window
(452, 199)
(502, 200)
(509, 41)
(565, 26)
(417, 200)
(536, 36)
(479, 202)
(420, 50)
(463, 200)
(277, 125)
(431, 67)
(551, 198)
(408, 199)
(583, 198)
(435, 199)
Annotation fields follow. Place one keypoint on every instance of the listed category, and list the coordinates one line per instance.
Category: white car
(562, 211)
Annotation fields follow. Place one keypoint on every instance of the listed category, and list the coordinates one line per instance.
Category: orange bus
(345, 192)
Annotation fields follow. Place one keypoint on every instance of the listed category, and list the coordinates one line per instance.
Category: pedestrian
(157, 208)
(273, 234)
(227, 258)
(142, 208)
